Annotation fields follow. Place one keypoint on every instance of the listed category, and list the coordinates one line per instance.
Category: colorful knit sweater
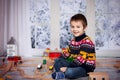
(81, 50)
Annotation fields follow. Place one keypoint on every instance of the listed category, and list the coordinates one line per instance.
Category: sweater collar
(79, 38)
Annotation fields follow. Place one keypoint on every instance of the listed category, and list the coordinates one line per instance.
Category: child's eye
(72, 26)
(78, 26)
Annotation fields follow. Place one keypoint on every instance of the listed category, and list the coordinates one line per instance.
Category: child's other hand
(63, 69)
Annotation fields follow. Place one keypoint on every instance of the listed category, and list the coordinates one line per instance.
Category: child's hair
(79, 17)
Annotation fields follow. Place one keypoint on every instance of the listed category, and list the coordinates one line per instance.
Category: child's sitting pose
(79, 58)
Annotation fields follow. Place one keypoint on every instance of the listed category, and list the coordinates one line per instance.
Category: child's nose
(75, 28)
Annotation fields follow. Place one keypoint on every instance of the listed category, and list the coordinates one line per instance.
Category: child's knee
(69, 73)
(58, 60)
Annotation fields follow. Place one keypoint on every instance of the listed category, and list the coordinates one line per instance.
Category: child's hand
(65, 54)
(63, 69)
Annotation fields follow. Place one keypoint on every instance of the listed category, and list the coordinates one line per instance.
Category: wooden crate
(98, 76)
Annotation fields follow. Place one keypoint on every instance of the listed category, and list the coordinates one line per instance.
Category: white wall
(90, 14)
(55, 26)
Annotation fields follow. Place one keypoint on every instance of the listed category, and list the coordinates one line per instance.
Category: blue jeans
(73, 70)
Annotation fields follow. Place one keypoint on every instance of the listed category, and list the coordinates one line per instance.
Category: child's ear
(85, 28)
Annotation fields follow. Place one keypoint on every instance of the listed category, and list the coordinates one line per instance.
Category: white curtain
(11, 22)
(7, 23)
(1, 26)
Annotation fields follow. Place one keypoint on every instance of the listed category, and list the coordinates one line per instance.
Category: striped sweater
(81, 50)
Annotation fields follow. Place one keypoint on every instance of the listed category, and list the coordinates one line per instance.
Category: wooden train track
(11, 67)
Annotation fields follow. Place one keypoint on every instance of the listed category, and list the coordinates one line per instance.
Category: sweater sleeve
(65, 52)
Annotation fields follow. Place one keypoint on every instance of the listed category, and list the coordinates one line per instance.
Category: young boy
(79, 58)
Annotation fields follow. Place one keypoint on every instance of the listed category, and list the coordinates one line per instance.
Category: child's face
(77, 28)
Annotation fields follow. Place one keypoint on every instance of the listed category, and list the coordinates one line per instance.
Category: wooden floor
(109, 65)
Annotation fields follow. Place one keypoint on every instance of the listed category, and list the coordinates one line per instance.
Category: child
(79, 58)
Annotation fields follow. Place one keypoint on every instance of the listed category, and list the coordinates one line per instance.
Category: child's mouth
(75, 32)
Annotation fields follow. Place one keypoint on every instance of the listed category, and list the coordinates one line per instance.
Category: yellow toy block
(50, 67)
